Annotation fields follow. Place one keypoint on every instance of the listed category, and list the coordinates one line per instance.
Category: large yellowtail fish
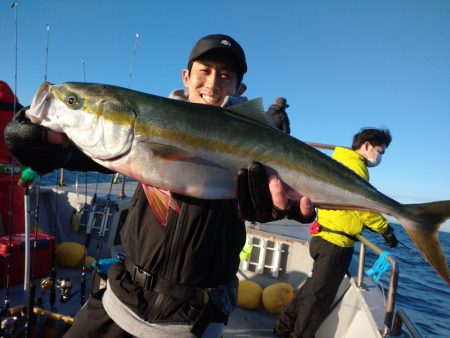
(197, 150)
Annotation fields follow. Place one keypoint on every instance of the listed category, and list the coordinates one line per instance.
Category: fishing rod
(132, 60)
(116, 176)
(102, 230)
(89, 226)
(7, 321)
(46, 52)
(52, 280)
(52, 297)
(84, 70)
(88, 220)
(14, 5)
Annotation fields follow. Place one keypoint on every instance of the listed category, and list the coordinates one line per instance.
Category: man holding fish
(187, 156)
(179, 277)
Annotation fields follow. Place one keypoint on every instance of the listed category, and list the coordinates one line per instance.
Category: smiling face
(210, 80)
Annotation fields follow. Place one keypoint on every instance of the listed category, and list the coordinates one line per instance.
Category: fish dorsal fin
(169, 152)
(253, 109)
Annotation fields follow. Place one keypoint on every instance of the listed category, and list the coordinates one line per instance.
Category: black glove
(255, 200)
(28, 143)
(389, 238)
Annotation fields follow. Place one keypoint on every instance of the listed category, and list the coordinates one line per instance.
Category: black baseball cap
(222, 43)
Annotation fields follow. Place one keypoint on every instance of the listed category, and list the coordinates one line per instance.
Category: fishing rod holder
(99, 217)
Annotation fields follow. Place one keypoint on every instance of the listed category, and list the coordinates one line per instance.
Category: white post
(276, 259)
(262, 256)
(27, 269)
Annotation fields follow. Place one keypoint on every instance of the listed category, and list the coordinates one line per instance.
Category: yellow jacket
(351, 222)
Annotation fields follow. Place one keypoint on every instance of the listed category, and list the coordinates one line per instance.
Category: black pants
(303, 316)
(93, 321)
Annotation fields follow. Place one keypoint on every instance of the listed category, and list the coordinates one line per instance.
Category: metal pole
(61, 178)
(390, 303)
(391, 296)
(26, 278)
(27, 283)
(362, 258)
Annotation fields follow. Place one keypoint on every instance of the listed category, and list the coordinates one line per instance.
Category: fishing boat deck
(280, 254)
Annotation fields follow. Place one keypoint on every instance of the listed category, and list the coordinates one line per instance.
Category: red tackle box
(45, 245)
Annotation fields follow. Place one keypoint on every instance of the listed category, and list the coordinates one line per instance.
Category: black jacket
(278, 116)
(199, 247)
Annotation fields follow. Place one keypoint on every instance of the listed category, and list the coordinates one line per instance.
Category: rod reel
(63, 285)
(11, 325)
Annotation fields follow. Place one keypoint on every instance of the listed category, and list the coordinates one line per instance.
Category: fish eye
(73, 102)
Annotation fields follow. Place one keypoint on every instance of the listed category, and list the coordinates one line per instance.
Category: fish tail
(421, 222)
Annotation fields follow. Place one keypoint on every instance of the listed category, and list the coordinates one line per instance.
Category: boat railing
(402, 318)
(392, 327)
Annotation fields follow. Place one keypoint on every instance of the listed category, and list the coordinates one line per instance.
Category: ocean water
(421, 292)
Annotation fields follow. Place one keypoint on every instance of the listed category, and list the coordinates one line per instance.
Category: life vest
(9, 103)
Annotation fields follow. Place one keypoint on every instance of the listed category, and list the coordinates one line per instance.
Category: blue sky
(342, 65)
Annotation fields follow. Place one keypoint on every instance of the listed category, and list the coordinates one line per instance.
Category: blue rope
(104, 264)
(380, 266)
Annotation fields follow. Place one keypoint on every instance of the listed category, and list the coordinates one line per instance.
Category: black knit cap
(219, 42)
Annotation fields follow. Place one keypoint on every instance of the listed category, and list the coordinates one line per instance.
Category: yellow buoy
(276, 296)
(70, 254)
(249, 295)
(88, 261)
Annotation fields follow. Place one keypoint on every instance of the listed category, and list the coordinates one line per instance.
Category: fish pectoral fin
(169, 152)
(253, 109)
(160, 201)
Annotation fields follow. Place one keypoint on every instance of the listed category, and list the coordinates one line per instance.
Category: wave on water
(421, 292)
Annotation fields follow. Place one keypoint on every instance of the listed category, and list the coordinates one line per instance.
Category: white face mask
(374, 161)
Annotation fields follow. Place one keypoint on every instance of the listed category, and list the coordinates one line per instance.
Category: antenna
(132, 60)
(46, 52)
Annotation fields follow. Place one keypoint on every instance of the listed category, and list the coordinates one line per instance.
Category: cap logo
(225, 43)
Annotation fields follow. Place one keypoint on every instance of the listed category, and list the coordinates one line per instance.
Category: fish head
(93, 116)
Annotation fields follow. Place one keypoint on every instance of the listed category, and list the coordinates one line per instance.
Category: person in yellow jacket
(333, 239)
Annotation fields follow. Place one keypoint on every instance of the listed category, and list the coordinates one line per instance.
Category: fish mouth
(40, 104)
